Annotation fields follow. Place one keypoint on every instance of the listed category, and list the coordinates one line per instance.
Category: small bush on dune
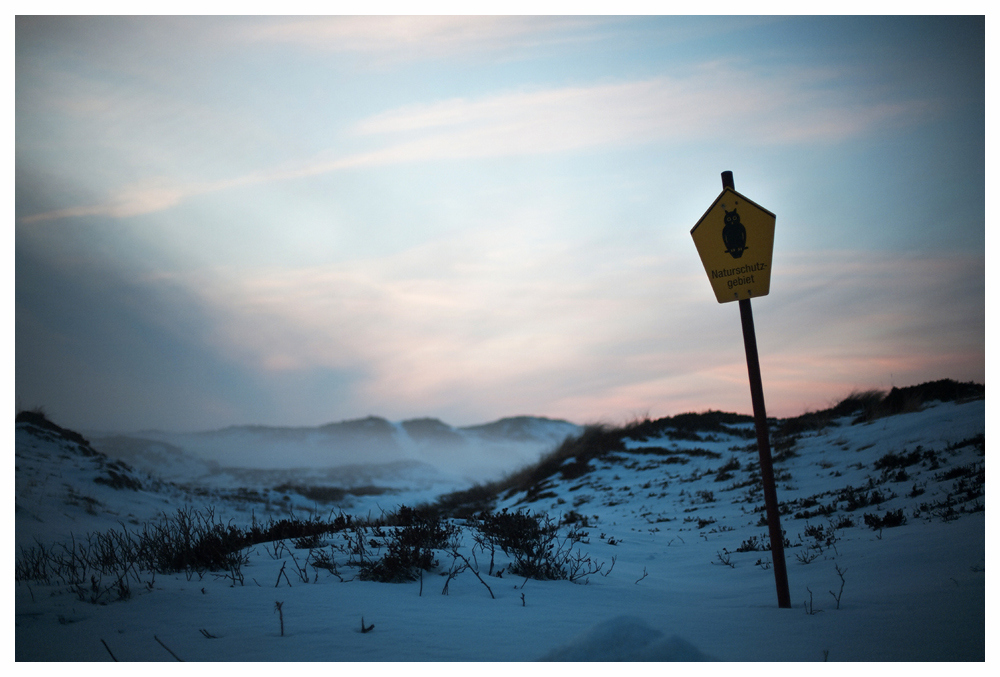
(188, 541)
(533, 541)
(513, 532)
(414, 535)
(893, 518)
(400, 563)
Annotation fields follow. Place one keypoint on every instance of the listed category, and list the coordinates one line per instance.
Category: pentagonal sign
(735, 239)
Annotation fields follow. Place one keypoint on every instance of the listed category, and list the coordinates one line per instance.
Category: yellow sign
(735, 239)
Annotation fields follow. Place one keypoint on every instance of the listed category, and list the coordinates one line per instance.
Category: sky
(298, 220)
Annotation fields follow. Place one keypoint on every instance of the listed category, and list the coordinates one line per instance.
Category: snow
(910, 593)
(626, 638)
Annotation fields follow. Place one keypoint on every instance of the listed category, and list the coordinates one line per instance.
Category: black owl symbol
(734, 235)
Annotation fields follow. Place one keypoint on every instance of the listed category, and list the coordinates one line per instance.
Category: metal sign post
(731, 233)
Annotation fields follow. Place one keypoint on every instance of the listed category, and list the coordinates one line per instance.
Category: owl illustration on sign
(734, 234)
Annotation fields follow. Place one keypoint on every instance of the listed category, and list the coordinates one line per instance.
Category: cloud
(795, 107)
(704, 106)
(392, 38)
(131, 200)
(443, 318)
(467, 327)
(504, 320)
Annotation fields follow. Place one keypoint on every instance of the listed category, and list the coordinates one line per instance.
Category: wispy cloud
(701, 107)
(131, 200)
(794, 107)
(391, 38)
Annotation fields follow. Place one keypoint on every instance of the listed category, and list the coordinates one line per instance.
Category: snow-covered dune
(885, 550)
(461, 454)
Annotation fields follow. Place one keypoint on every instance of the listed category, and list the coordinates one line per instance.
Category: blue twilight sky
(292, 221)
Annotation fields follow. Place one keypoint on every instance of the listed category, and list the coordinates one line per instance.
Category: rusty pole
(763, 443)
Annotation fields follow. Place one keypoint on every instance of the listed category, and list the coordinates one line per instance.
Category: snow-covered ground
(672, 521)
